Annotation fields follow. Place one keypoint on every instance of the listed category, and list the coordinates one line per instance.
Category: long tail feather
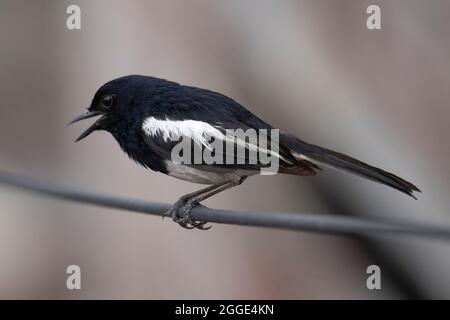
(319, 155)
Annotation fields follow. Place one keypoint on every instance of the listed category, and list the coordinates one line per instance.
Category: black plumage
(141, 112)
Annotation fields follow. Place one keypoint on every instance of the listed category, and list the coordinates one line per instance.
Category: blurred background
(311, 68)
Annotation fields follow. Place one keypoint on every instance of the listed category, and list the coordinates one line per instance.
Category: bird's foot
(181, 214)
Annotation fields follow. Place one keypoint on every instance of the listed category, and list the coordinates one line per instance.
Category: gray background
(307, 67)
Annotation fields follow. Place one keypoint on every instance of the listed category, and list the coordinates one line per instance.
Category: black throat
(132, 142)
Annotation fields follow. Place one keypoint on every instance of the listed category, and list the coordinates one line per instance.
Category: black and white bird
(148, 116)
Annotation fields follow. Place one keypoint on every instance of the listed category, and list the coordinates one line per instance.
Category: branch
(292, 221)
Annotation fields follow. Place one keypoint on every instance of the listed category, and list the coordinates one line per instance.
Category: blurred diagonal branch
(293, 221)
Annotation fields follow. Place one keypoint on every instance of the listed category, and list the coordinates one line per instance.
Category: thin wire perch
(328, 224)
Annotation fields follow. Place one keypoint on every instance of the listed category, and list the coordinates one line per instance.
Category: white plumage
(172, 130)
(200, 132)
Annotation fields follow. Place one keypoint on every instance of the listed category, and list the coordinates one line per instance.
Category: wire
(329, 224)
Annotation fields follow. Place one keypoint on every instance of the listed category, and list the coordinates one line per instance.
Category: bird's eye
(107, 101)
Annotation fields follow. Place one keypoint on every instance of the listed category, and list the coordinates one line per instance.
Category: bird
(149, 116)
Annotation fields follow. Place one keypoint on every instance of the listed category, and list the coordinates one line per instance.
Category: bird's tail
(318, 155)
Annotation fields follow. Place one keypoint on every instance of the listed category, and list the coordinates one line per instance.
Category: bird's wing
(208, 120)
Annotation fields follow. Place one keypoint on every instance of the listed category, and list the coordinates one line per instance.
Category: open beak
(86, 115)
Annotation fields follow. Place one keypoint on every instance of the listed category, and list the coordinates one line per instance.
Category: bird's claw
(181, 214)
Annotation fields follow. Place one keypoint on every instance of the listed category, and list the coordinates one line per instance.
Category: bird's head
(117, 102)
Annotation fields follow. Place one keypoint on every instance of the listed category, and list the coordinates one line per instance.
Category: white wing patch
(172, 130)
(200, 132)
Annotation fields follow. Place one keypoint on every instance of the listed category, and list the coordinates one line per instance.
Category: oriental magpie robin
(148, 116)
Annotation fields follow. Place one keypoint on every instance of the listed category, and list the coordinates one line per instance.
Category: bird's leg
(186, 203)
(181, 202)
(185, 210)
